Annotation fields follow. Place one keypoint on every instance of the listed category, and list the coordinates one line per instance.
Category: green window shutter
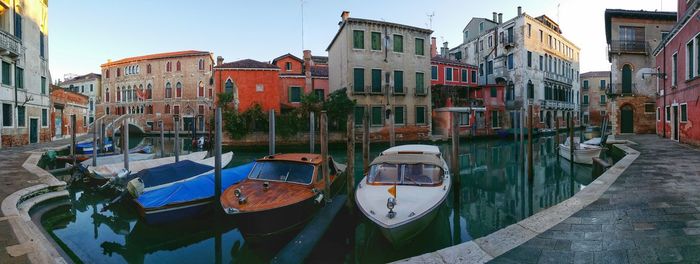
(398, 82)
(398, 43)
(376, 41)
(359, 80)
(44, 117)
(602, 98)
(494, 119)
(464, 76)
(20, 116)
(420, 115)
(420, 47)
(585, 99)
(359, 114)
(399, 115)
(7, 115)
(684, 113)
(294, 94)
(376, 80)
(434, 72)
(420, 83)
(377, 119)
(448, 74)
(473, 76)
(494, 92)
(19, 77)
(358, 39)
(5, 73)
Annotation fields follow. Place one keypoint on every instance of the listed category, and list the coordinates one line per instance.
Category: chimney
(219, 60)
(520, 10)
(344, 16)
(433, 47)
(445, 50)
(494, 17)
(307, 71)
(500, 18)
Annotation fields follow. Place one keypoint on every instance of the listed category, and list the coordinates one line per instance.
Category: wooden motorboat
(403, 190)
(583, 153)
(108, 171)
(281, 193)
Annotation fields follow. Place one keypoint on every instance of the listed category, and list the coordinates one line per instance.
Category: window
(649, 108)
(359, 115)
(376, 80)
(510, 61)
(200, 89)
(530, 90)
(18, 25)
(168, 91)
(19, 78)
(658, 114)
(466, 35)
(481, 26)
(84, 121)
(602, 84)
(448, 74)
(585, 99)
(510, 35)
(319, 93)
(107, 110)
(420, 46)
(178, 66)
(176, 109)
(398, 82)
(490, 41)
(7, 115)
(541, 36)
(106, 93)
(494, 91)
(6, 73)
(259, 88)
(377, 116)
(91, 88)
(473, 76)
(168, 67)
(420, 83)
(167, 109)
(398, 43)
(288, 66)
(481, 69)
(420, 115)
(42, 46)
(119, 72)
(585, 84)
(541, 116)
(489, 67)
(107, 73)
(529, 30)
(399, 115)
(668, 113)
(495, 119)
(529, 59)
(690, 48)
(294, 94)
(464, 76)
(228, 87)
(21, 122)
(541, 63)
(376, 41)
(148, 68)
(433, 72)
(358, 39)
(684, 113)
(178, 89)
(481, 44)
(82, 87)
(674, 69)
(464, 119)
(44, 117)
(359, 80)
(200, 64)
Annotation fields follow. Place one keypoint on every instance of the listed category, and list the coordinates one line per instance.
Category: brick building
(157, 87)
(250, 82)
(301, 76)
(631, 37)
(678, 69)
(64, 104)
(594, 101)
(89, 84)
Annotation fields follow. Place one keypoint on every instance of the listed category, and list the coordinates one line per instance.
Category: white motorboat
(105, 172)
(403, 190)
(583, 153)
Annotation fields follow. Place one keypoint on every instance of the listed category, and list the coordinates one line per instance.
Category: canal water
(494, 193)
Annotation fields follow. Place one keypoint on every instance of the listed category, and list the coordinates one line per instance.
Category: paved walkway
(14, 177)
(651, 214)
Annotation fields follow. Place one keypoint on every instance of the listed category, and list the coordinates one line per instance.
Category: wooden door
(627, 119)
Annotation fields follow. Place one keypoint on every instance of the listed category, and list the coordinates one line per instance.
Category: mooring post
(571, 142)
(73, 151)
(312, 132)
(103, 139)
(556, 133)
(350, 169)
(271, 133)
(365, 141)
(125, 143)
(95, 146)
(392, 135)
(162, 139)
(177, 138)
(217, 158)
(530, 169)
(324, 156)
(455, 148)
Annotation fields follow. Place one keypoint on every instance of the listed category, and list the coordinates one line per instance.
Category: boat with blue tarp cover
(87, 147)
(188, 198)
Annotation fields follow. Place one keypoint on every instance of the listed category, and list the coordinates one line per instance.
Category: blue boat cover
(173, 172)
(201, 187)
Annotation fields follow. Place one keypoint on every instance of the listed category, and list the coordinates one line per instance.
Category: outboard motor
(135, 187)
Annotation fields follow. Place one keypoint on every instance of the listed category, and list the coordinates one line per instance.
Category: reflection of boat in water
(583, 174)
(420, 181)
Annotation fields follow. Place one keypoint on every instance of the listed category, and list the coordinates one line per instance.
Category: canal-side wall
(489, 247)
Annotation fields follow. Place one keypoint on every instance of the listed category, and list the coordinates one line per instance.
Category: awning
(409, 159)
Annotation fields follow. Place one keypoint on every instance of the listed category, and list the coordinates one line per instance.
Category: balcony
(617, 89)
(628, 46)
(10, 45)
(585, 87)
(557, 77)
(509, 43)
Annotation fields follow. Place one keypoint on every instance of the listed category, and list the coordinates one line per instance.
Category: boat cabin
(291, 168)
(407, 169)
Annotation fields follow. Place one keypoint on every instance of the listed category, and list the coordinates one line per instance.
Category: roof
(409, 158)
(595, 74)
(443, 60)
(478, 19)
(320, 59)
(641, 14)
(427, 149)
(287, 55)
(81, 78)
(166, 55)
(319, 71)
(65, 90)
(247, 64)
(310, 158)
(370, 21)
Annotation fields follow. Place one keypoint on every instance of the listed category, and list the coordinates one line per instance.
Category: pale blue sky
(86, 33)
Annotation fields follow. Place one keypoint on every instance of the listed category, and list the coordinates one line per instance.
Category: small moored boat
(281, 193)
(105, 172)
(403, 190)
(88, 147)
(583, 153)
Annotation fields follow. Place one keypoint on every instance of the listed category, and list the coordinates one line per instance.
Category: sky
(86, 33)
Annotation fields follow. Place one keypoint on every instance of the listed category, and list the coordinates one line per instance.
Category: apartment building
(89, 85)
(594, 101)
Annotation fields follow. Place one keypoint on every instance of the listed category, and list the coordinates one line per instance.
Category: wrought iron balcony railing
(628, 46)
(615, 89)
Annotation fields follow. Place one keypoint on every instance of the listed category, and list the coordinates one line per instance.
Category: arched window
(128, 94)
(200, 89)
(148, 69)
(168, 66)
(201, 64)
(229, 86)
(119, 72)
(138, 69)
(167, 109)
(530, 90)
(168, 90)
(107, 73)
(140, 94)
(178, 66)
(149, 92)
(178, 88)
(107, 94)
(119, 95)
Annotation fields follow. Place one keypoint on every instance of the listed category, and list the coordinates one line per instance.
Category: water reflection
(495, 192)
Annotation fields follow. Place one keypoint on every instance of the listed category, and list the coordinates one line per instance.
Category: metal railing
(628, 46)
(619, 89)
(10, 44)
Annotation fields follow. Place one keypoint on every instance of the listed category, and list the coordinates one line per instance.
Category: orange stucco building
(250, 82)
(301, 76)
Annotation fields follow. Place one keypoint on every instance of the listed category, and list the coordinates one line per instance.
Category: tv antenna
(430, 19)
(302, 23)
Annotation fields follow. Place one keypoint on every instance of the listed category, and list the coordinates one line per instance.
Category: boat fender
(135, 187)
(319, 198)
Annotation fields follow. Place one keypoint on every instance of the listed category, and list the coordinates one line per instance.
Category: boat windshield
(283, 171)
(405, 174)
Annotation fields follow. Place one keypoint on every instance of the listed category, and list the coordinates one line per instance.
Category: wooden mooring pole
(162, 139)
(556, 132)
(217, 158)
(125, 143)
(312, 132)
(350, 169)
(365, 141)
(530, 169)
(177, 138)
(95, 146)
(73, 151)
(103, 139)
(571, 142)
(392, 133)
(271, 133)
(324, 156)
(455, 148)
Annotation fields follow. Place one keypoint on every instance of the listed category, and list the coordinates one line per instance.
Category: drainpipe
(663, 119)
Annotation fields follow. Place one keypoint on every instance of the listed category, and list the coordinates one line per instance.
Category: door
(33, 130)
(627, 119)
(674, 128)
(58, 124)
(626, 79)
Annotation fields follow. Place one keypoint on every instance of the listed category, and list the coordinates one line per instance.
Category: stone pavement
(651, 214)
(14, 177)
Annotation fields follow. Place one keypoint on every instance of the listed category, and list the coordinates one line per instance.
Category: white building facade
(89, 85)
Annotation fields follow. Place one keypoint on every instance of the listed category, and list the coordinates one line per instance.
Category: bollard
(365, 141)
(312, 132)
(177, 138)
(350, 169)
(73, 151)
(271, 133)
(455, 148)
(217, 158)
(324, 156)
(125, 143)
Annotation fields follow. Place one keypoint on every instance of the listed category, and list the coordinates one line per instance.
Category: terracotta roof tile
(440, 59)
(246, 64)
(176, 54)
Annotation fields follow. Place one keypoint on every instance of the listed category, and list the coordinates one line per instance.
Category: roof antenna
(302, 23)
(558, 4)
(430, 20)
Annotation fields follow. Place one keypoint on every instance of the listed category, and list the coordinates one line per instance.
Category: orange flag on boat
(392, 191)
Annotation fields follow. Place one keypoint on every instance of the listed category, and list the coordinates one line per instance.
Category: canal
(495, 193)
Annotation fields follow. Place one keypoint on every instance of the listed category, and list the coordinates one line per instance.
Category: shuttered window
(398, 82)
(420, 83)
(359, 80)
(376, 41)
(376, 80)
(358, 39)
(398, 43)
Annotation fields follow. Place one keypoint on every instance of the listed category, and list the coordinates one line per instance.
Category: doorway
(33, 130)
(627, 119)
(674, 127)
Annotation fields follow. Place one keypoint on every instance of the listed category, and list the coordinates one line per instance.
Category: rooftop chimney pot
(345, 15)
(500, 18)
(494, 17)
(219, 60)
(520, 10)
